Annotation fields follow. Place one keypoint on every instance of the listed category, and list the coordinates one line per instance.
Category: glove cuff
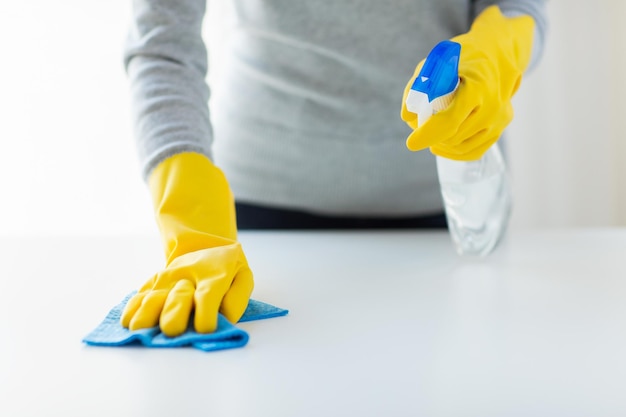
(193, 204)
(514, 35)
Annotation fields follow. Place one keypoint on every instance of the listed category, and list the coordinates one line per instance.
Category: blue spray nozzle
(440, 74)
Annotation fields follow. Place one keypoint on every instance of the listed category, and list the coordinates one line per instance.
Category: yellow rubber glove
(206, 269)
(494, 54)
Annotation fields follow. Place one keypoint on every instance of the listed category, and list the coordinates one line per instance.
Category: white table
(380, 324)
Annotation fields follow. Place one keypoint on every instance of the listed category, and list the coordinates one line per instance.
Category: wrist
(193, 204)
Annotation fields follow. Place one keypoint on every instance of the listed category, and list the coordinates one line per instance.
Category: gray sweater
(306, 115)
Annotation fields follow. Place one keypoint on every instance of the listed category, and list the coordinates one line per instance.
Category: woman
(305, 127)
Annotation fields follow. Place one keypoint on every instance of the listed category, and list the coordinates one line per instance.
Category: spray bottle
(476, 194)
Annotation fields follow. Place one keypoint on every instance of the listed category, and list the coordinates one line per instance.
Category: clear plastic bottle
(477, 200)
(476, 194)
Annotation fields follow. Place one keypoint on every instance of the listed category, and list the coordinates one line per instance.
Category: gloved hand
(494, 54)
(206, 268)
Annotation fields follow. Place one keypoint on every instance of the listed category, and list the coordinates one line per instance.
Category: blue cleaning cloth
(111, 333)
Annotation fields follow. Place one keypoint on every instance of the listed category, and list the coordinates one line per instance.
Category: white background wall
(568, 141)
(67, 161)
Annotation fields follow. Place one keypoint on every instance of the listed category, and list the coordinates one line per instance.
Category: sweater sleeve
(166, 61)
(534, 8)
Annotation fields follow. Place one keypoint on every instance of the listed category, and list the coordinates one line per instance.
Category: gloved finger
(478, 152)
(236, 299)
(472, 154)
(177, 308)
(480, 121)
(208, 298)
(149, 284)
(474, 124)
(465, 146)
(468, 146)
(148, 313)
(409, 117)
(131, 308)
(443, 125)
